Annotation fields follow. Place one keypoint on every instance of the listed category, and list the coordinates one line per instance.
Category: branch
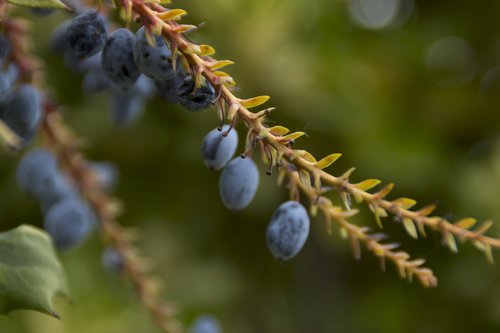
(58, 137)
(277, 146)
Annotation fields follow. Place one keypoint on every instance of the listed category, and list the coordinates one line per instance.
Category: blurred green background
(408, 91)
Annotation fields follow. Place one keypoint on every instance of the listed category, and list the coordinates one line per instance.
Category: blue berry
(238, 183)
(69, 222)
(167, 89)
(56, 188)
(288, 230)
(58, 39)
(4, 48)
(34, 170)
(217, 150)
(118, 58)
(22, 111)
(112, 260)
(153, 61)
(86, 34)
(125, 109)
(107, 174)
(195, 99)
(95, 81)
(206, 324)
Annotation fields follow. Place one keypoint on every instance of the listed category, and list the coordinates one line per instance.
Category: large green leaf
(39, 3)
(30, 273)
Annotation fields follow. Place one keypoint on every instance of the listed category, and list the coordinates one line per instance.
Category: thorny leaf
(30, 271)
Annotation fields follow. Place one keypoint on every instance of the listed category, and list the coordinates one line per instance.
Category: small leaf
(191, 49)
(307, 156)
(220, 64)
(484, 227)
(405, 203)
(30, 271)
(466, 223)
(385, 191)
(206, 50)
(254, 101)
(39, 3)
(184, 28)
(451, 243)
(293, 136)
(327, 161)
(365, 185)
(427, 210)
(410, 228)
(279, 130)
(347, 174)
(172, 14)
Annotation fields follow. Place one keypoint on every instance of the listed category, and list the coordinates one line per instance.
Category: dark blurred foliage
(408, 91)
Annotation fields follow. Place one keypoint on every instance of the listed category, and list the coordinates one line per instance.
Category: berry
(56, 188)
(86, 34)
(125, 109)
(118, 59)
(288, 230)
(95, 81)
(206, 324)
(195, 99)
(217, 150)
(4, 48)
(58, 39)
(106, 173)
(35, 169)
(238, 183)
(167, 89)
(153, 61)
(22, 111)
(112, 260)
(69, 222)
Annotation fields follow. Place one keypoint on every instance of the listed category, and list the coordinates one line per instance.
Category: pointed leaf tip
(327, 161)
(30, 270)
(255, 101)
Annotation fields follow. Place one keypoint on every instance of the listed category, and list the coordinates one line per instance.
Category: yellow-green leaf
(410, 228)
(254, 101)
(385, 191)
(307, 156)
(427, 210)
(220, 64)
(327, 161)
(39, 3)
(365, 185)
(30, 272)
(184, 27)
(293, 136)
(405, 203)
(206, 50)
(172, 14)
(451, 243)
(279, 130)
(466, 223)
